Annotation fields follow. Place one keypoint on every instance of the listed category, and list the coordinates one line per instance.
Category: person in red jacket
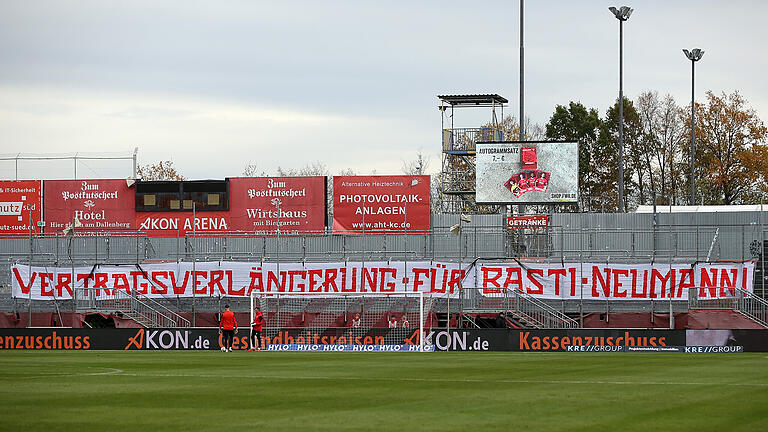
(356, 321)
(228, 324)
(256, 326)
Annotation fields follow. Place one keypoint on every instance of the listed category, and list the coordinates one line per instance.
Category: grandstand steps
(525, 320)
(703, 319)
(720, 319)
(139, 318)
(482, 318)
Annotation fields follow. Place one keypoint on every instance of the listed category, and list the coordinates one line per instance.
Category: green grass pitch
(301, 391)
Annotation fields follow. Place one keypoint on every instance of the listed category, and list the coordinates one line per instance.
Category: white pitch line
(465, 380)
(109, 371)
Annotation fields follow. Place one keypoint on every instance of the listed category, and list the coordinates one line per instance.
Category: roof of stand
(473, 100)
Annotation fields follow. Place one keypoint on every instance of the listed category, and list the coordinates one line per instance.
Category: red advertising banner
(173, 224)
(20, 206)
(385, 204)
(254, 203)
(96, 204)
(523, 222)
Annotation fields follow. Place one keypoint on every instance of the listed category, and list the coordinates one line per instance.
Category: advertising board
(20, 204)
(172, 224)
(273, 339)
(528, 222)
(95, 204)
(381, 339)
(527, 172)
(254, 204)
(384, 204)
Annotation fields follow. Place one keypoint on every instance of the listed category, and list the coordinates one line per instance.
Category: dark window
(203, 195)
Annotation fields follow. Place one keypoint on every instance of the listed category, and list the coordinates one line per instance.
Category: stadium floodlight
(693, 55)
(622, 14)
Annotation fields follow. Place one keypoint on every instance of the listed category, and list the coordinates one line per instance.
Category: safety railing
(522, 307)
(138, 307)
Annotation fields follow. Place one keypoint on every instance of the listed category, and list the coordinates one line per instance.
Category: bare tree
(162, 170)
(416, 166)
(316, 168)
(251, 170)
(658, 149)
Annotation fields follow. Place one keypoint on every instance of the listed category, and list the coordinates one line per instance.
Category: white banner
(587, 281)
(590, 281)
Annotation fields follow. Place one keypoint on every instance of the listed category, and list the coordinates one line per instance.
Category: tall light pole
(622, 14)
(277, 202)
(522, 82)
(694, 55)
(194, 261)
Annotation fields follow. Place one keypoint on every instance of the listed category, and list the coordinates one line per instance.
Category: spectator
(392, 322)
(356, 321)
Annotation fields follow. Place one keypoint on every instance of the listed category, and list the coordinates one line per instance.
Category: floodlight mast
(694, 55)
(622, 14)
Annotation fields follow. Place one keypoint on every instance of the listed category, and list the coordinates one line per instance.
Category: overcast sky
(214, 86)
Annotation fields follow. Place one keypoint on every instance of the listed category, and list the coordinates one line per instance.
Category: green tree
(577, 123)
(606, 159)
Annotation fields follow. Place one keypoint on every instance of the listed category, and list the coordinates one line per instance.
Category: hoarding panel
(387, 204)
(20, 204)
(254, 202)
(97, 204)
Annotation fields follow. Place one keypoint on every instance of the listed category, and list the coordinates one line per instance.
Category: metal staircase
(534, 313)
(138, 307)
(523, 308)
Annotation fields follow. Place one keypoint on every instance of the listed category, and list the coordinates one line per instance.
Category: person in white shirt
(392, 322)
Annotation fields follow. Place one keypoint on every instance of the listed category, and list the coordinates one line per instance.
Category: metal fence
(609, 238)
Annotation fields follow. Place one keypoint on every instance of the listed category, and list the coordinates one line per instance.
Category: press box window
(200, 195)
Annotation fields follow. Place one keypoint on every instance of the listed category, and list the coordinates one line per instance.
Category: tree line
(731, 157)
(730, 163)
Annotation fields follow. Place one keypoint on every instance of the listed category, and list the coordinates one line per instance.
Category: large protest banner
(237, 279)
